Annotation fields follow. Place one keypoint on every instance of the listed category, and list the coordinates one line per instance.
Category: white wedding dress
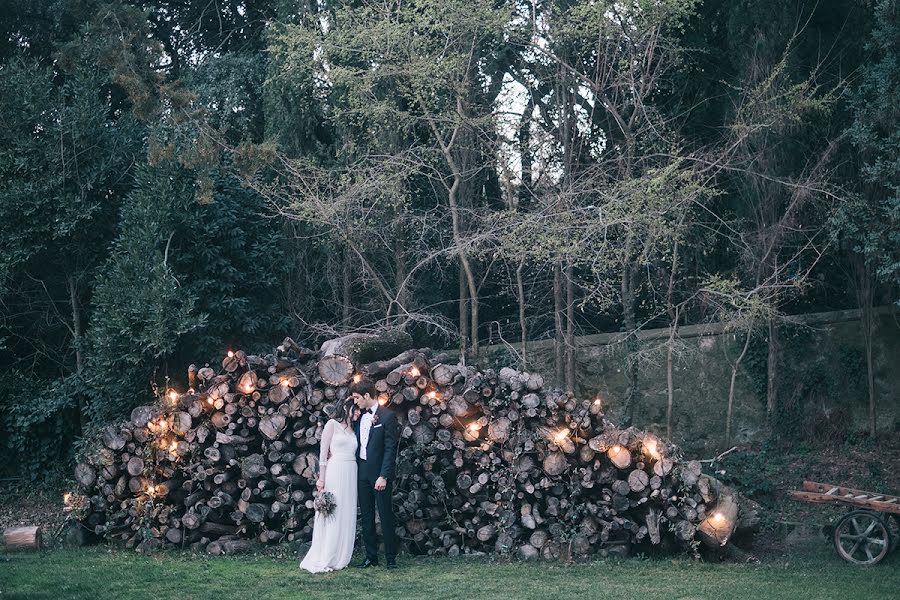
(334, 535)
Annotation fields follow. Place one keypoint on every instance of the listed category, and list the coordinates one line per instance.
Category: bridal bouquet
(324, 503)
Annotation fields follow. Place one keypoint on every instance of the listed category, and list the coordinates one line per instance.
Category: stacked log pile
(490, 461)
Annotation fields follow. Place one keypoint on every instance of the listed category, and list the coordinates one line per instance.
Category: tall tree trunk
(565, 354)
(520, 295)
(734, 370)
(868, 331)
(400, 274)
(864, 295)
(558, 339)
(631, 344)
(670, 345)
(631, 366)
(772, 372)
(347, 288)
(473, 314)
(459, 176)
(77, 343)
(76, 324)
(670, 387)
(570, 329)
(463, 316)
(525, 159)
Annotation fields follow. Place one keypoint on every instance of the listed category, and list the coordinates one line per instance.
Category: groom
(378, 435)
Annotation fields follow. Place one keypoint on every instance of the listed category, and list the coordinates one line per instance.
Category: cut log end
(335, 370)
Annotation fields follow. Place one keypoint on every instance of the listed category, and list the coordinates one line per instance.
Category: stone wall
(822, 385)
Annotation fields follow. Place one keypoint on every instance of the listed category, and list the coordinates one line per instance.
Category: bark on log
(22, 538)
(368, 347)
(716, 529)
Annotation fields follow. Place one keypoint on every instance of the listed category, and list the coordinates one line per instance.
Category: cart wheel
(893, 523)
(862, 537)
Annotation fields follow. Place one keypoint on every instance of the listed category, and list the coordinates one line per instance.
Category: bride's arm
(324, 451)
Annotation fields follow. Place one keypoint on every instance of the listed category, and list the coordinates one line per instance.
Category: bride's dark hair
(344, 410)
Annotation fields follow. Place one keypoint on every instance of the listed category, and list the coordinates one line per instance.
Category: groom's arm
(391, 441)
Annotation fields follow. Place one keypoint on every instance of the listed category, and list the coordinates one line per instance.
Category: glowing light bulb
(357, 377)
(432, 395)
(718, 519)
(474, 427)
(248, 389)
(67, 497)
(230, 354)
(173, 447)
(211, 401)
(173, 395)
(560, 435)
(615, 449)
(285, 382)
(151, 489)
(598, 401)
(382, 399)
(414, 372)
(163, 424)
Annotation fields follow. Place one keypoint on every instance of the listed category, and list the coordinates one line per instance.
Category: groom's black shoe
(367, 563)
(391, 564)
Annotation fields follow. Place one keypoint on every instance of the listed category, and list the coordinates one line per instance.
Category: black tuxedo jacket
(381, 451)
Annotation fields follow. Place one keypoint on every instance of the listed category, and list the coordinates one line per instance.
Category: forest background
(180, 178)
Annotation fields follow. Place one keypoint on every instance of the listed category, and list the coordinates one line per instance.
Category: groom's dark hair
(363, 386)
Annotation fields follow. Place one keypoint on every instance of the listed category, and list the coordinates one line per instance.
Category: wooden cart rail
(826, 492)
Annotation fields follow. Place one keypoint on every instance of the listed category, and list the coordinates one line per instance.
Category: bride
(334, 535)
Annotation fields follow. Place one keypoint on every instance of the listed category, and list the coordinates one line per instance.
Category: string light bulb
(357, 377)
(414, 372)
(561, 435)
(151, 489)
(651, 447)
(173, 396)
(285, 382)
(230, 354)
(433, 395)
(718, 519)
(382, 399)
(473, 427)
(67, 497)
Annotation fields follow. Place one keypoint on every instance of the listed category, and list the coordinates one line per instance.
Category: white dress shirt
(365, 428)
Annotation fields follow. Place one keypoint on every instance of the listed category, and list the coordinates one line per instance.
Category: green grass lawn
(99, 573)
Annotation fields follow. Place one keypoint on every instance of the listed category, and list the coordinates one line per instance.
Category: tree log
(22, 538)
(368, 347)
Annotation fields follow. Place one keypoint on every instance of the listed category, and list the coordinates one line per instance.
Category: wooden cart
(866, 534)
